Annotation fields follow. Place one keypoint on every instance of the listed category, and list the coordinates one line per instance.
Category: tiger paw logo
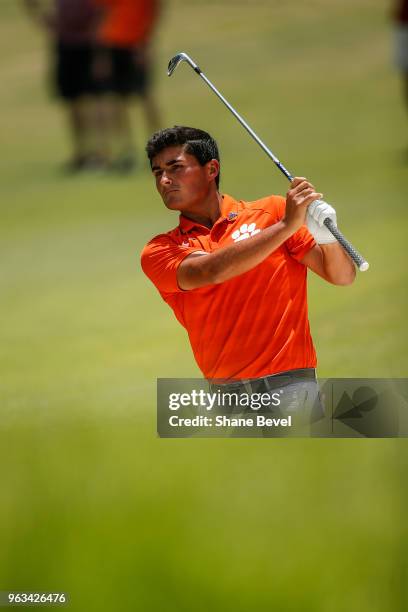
(245, 231)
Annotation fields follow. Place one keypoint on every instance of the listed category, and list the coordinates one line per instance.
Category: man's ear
(213, 168)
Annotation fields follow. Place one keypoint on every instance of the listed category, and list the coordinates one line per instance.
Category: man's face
(180, 179)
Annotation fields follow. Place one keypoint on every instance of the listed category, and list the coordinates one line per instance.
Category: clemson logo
(245, 231)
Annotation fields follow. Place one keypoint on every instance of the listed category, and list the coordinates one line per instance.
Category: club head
(177, 59)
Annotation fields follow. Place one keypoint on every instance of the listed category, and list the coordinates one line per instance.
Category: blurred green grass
(92, 502)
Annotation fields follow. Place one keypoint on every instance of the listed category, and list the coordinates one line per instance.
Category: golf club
(360, 262)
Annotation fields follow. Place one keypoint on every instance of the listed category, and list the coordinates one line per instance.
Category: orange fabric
(126, 22)
(254, 324)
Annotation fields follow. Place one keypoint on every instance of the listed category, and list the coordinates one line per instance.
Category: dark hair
(196, 142)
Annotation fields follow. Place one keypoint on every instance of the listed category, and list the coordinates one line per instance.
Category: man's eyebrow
(169, 163)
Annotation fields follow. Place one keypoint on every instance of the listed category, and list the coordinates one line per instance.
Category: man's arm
(331, 262)
(200, 269)
(327, 258)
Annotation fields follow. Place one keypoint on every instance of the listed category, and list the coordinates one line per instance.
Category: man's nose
(165, 179)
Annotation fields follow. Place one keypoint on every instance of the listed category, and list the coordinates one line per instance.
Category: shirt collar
(230, 209)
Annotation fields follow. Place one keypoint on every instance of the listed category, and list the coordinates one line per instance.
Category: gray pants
(293, 394)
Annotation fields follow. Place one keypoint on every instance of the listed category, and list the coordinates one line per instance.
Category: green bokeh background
(91, 501)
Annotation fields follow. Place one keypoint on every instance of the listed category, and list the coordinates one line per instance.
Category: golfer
(234, 272)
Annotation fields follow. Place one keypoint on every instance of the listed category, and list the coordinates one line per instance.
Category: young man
(234, 272)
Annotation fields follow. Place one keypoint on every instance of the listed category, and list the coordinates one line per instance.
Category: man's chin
(173, 201)
(174, 205)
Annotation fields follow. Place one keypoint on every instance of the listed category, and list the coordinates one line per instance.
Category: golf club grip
(358, 259)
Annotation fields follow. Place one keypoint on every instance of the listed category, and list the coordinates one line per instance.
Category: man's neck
(209, 212)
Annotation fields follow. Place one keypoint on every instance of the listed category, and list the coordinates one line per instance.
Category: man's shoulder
(161, 257)
(271, 204)
(173, 236)
(163, 246)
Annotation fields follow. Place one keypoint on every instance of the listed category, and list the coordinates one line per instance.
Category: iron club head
(177, 59)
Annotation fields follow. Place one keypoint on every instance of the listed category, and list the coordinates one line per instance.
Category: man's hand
(299, 197)
(317, 212)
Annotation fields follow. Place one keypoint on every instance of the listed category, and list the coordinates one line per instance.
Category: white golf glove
(317, 212)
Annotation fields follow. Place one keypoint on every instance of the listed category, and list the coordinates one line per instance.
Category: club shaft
(358, 259)
(244, 124)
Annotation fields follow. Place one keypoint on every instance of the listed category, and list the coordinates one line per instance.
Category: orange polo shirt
(127, 22)
(255, 324)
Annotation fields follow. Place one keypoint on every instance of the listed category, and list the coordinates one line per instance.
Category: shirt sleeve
(301, 241)
(160, 260)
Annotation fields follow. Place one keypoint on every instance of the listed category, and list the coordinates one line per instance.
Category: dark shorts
(73, 71)
(127, 73)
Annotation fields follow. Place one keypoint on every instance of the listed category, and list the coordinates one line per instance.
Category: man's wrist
(286, 229)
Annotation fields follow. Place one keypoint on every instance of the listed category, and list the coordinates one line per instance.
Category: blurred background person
(123, 67)
(71, 26)
(401, 42)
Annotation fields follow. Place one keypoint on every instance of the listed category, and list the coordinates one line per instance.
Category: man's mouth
(166, 193)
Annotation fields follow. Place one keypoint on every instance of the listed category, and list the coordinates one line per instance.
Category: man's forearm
(338, 267)
(228, 262)
(242, 256)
